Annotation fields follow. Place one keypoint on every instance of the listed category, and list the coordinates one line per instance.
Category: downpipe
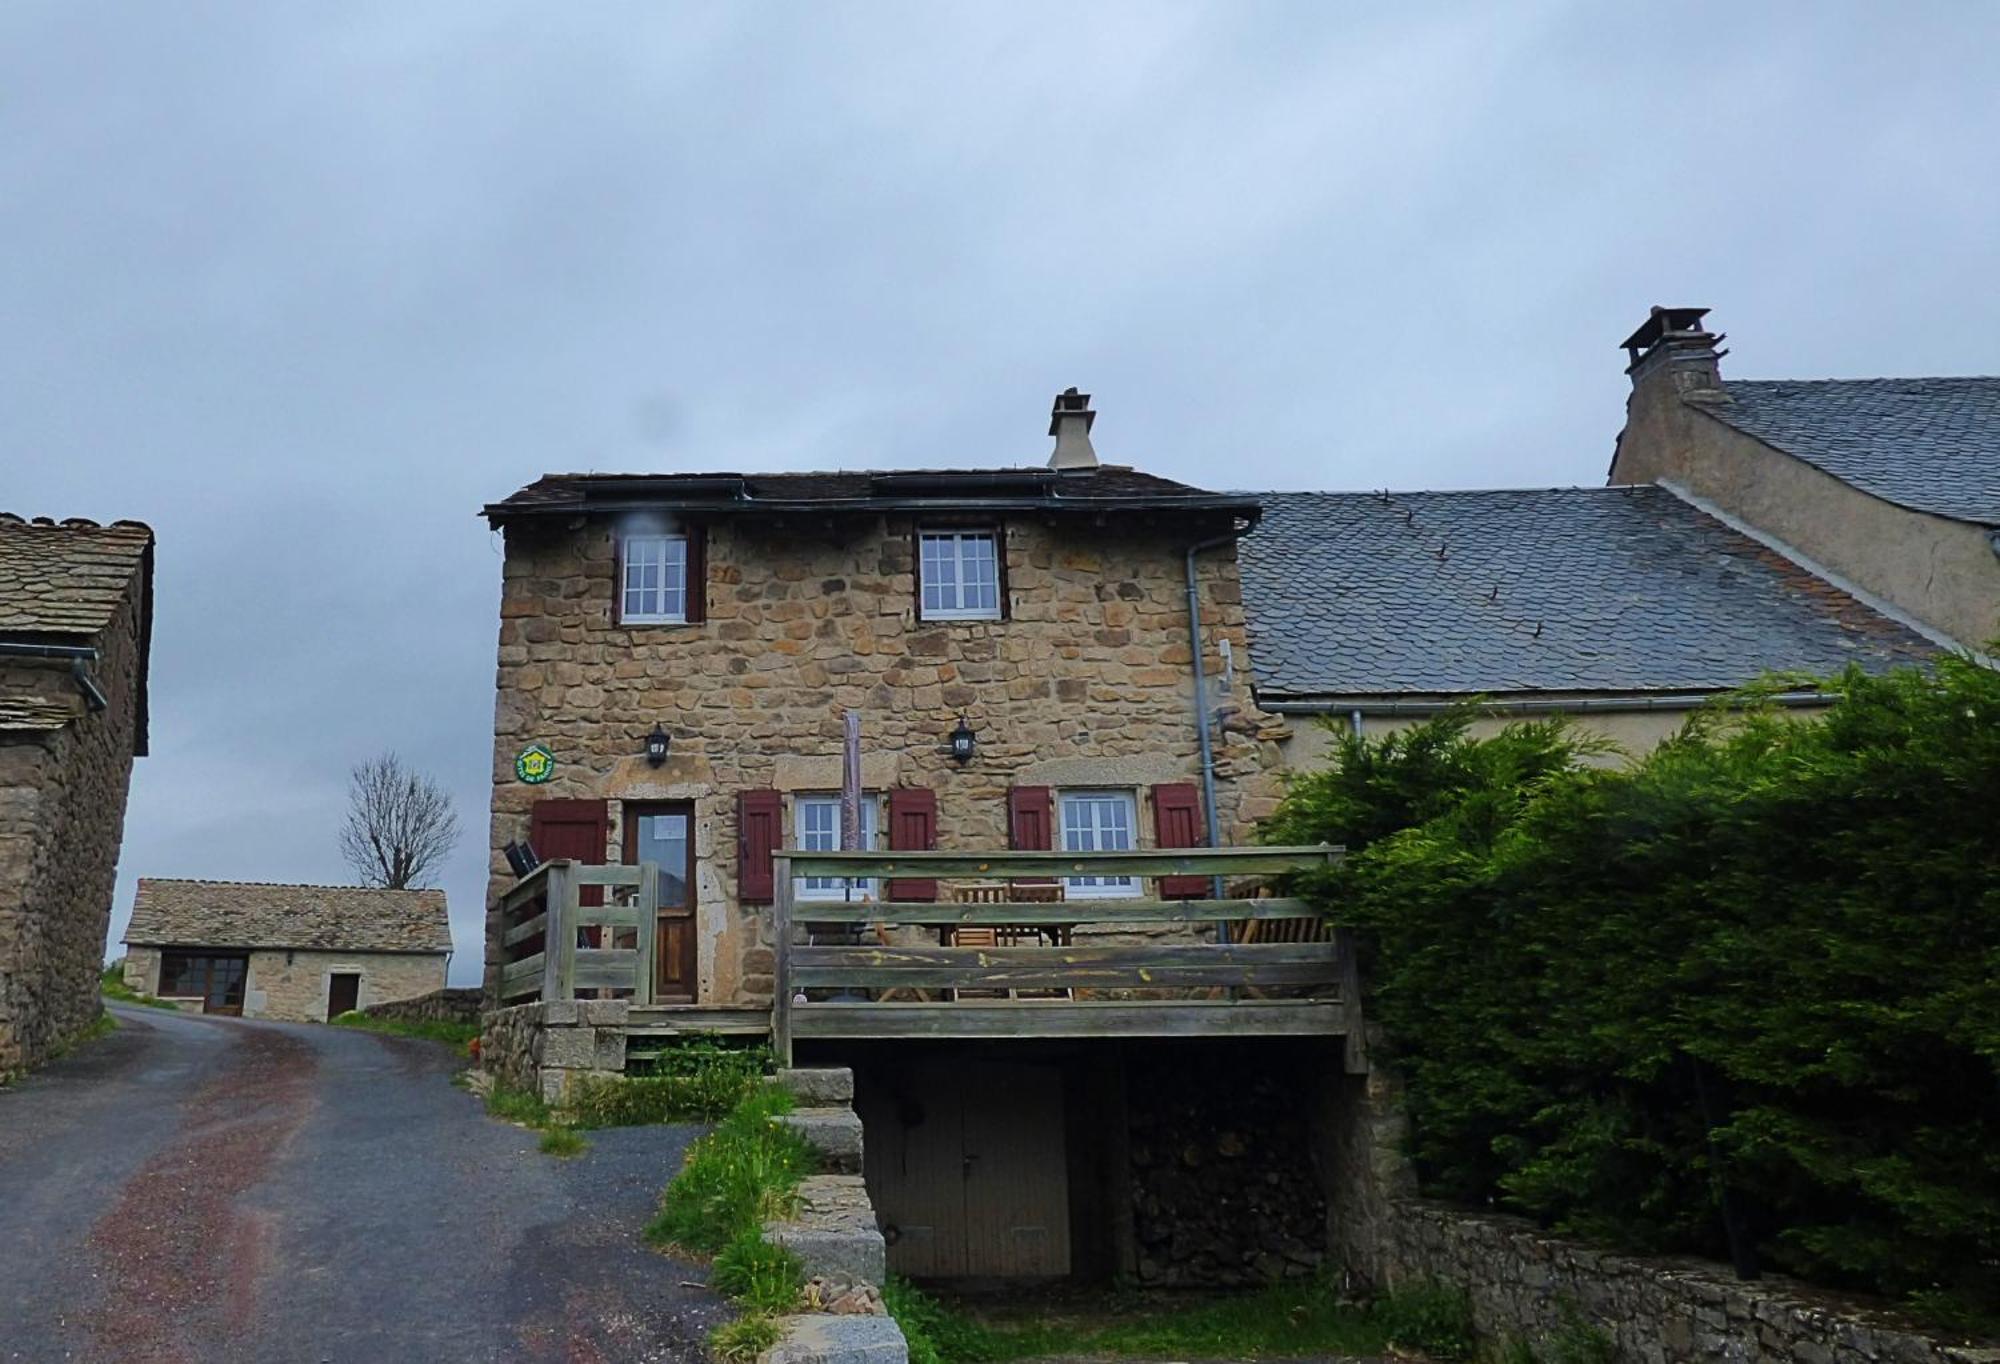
(80, 657)
(1203, 715)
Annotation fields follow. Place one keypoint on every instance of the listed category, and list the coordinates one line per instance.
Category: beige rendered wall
(1635, 732)
(293, 986)
(1943, 572)
(1087, 683)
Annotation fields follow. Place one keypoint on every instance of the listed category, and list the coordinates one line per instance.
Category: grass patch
(1276, 1322)
(742, 1340)
(691, 1080)
(455, 1034)
(736, 1178)
(1431, 1318)
(518, 1106)
(111, 985)
(562, 1141)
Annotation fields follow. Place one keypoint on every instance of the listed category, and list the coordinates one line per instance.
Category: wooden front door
(966, 1162)
(343, 993)
(664, 835)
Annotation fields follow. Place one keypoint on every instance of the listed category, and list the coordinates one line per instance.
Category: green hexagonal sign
(534, 764)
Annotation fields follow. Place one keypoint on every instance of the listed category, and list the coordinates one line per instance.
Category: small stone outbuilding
(298, 953)
(75, 624)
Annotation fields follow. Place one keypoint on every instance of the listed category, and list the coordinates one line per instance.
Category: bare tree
(400, 824)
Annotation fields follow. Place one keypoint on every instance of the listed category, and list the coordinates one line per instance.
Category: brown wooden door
(343, 993)
(966, 1161)
(664, 835)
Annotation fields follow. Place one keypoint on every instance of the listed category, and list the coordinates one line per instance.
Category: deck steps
(820, 1338)
(833, 1233)
(819, 1086)
(834, 1133)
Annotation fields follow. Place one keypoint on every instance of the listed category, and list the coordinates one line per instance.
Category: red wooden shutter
(760, 824)
(697, 575)
(1177, 824)
(913, 828)
(1031, 825)
(578, 829)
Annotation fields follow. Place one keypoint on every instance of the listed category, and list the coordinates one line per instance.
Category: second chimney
(1673, 343)
(1070, 421)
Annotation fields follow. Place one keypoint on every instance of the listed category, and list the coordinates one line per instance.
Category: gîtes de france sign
(534, 764)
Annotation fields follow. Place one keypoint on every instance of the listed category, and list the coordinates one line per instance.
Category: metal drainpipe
(80, 657)
(1201, 710)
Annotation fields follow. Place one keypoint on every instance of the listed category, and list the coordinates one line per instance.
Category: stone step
(819, 1086)
(818, 1338)
(835, 1133)
(833, 1233)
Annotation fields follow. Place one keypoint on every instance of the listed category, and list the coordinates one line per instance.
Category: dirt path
(193, 1190)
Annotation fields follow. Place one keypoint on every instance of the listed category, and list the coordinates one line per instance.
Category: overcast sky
(303, 285)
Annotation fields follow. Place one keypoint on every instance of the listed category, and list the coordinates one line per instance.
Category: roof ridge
(288, 885)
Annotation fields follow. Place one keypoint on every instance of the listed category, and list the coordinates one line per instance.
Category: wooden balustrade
(544, 953)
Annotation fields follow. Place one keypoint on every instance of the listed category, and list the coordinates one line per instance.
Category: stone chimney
(1673, 346)
(1070, 421)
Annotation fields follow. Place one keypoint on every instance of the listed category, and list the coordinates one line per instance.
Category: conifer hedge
(1742, 995)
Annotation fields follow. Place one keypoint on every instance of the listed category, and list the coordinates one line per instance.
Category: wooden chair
(1007, 935)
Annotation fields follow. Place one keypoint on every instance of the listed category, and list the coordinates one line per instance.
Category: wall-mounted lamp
(962, 742)
(656, 746)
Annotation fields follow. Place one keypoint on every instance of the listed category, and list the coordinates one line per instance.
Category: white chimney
(1070, 422)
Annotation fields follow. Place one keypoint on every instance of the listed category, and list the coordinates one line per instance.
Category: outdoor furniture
(1006, 935)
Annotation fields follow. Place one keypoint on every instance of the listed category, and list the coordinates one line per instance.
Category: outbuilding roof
(1932, 445)
(1104, 487)
(245, 914)
(1566, 591)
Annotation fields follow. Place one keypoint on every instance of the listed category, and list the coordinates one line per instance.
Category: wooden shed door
(966, 1162)
(343, 993)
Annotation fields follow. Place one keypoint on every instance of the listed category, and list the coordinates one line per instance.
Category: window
(818, 822)
(1098, 821)
(654, 580)
(958, 575)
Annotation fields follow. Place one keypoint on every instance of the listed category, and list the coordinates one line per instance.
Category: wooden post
(1355, 1048)
(559, 969)
(781, 947)
(646, 904)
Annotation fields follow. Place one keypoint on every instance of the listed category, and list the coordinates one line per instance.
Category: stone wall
(1223, 1184)
(1526, 1284)
(439, 1006)
(1086, 683)
(62, 818)
(294, 985)
(543, 1047)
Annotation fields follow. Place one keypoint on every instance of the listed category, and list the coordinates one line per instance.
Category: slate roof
(243, 914)
(1034, 489)
(1932, 445)
(66, 577)
(1563, 590)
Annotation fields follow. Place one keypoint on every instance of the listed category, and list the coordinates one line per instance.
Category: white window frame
(671, 548)
(957, 541)
(816, 805)
(1088, 836)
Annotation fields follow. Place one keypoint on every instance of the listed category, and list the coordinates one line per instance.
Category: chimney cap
(1071, 403)
(1661, 321)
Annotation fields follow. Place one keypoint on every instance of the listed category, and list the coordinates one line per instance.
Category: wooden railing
(546, 950)
(864, 985)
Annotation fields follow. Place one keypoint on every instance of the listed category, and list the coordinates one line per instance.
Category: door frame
(332, 976)
(630, 813)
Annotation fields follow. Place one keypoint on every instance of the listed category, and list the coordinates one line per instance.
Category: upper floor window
(654, 580)
(1098, 821)
(818, 822)
(958, 575)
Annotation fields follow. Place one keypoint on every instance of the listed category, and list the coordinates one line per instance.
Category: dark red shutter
(697, 575)
(760, 824)
(577, 829)
(913, 828)
(1177, 824)
(1031, 824)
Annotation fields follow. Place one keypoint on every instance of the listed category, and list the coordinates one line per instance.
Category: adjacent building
(1625, 608)
(76, 618)
(298, 953)
(1889, 488)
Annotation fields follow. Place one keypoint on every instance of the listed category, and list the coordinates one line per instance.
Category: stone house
(1888, 488)
(1624, 608)
(733, 618)
(76, 618)
(303, 954)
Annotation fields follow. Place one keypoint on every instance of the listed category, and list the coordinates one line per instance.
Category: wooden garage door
(966, 1165)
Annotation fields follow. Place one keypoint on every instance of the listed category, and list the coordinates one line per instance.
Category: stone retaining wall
(439, 1006)
(545, 1046)
(1526, 1283)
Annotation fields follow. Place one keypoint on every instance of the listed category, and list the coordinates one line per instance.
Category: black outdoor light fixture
(656, 746)
(962, 742)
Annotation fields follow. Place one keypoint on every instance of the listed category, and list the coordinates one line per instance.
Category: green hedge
(1752, 979)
